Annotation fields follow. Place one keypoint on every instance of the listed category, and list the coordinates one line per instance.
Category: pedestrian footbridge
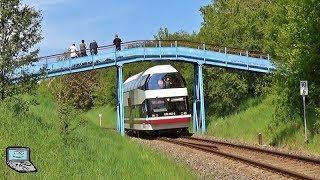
(135, 51)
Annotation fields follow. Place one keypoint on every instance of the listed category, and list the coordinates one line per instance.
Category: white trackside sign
(304, 88)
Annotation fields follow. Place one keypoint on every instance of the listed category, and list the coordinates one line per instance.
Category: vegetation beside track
(83, 150)
(257, 117)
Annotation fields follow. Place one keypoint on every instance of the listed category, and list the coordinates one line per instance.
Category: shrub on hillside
(16, 105)
(75, 89)
(69, 121)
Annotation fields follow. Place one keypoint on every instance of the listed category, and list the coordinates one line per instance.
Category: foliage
(235, 24)
(57, 155)
(224, 91)
(289, 31)
(105, 91)
(293, 34)
(20, 30)
(258, 117)
(165, 34)
(76, 89)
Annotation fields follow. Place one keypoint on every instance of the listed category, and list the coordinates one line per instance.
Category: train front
(167, 102)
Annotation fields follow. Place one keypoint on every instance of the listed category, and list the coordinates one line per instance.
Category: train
(156, 101)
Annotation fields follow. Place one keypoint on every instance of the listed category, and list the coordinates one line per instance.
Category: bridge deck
(136, 51)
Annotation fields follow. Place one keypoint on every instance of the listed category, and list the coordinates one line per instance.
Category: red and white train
(156, 100)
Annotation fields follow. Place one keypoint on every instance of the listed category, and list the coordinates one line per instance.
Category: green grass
(108, 118)
(87, 152)
(248, 123)
(244, 125)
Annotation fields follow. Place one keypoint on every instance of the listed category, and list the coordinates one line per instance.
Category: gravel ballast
(209, 166)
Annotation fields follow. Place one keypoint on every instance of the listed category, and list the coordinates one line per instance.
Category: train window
(144, 109)
(168, 105)
(158, 105)
(178, 106)
(143, 80)
(165, 81)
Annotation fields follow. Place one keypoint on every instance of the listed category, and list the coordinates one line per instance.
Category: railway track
(289, 165)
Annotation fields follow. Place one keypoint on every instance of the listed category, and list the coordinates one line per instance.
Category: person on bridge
(117, 42)
(83, 49)
(73, 51)
(93, 48)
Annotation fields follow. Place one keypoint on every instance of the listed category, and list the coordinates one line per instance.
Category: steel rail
(195, 145)
(273, 152)
(240, 158)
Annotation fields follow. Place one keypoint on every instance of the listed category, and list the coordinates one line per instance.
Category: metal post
(204, 51)
(247, 54)
(225, 53)
(195, 123)
(305, 118)
(176, 45)
(144, 50)
(47, 68)
(120, 98)
(100, 119)
(160, 49)
(118, 92)
(117, 103)
(201, 92)
(260, 139)
(92, 61)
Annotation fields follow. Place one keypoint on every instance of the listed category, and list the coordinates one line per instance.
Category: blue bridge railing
(150, 50)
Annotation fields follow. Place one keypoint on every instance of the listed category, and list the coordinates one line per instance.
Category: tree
(235, 23)
(164, 34)
(293, 34)
(20, 31)
(77, 90)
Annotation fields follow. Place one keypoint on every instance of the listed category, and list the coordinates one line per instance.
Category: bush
(16, 105)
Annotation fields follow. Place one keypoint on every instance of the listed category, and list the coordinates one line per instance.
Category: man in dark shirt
(83, 49)
(117, 42)
(93, 48)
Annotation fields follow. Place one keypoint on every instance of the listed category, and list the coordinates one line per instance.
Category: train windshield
(168, 106)
(165, 81)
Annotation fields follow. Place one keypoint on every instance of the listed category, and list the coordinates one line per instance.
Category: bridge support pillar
(199, 118)
(120, 109)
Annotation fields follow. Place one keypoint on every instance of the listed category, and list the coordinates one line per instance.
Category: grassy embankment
(86, 151)
(254, 119)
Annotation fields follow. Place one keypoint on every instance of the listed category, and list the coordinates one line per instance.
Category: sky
(69, 21)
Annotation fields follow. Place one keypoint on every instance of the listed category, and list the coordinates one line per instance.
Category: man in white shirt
(73, 51)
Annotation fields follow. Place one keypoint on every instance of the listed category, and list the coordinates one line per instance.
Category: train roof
(139, 79)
